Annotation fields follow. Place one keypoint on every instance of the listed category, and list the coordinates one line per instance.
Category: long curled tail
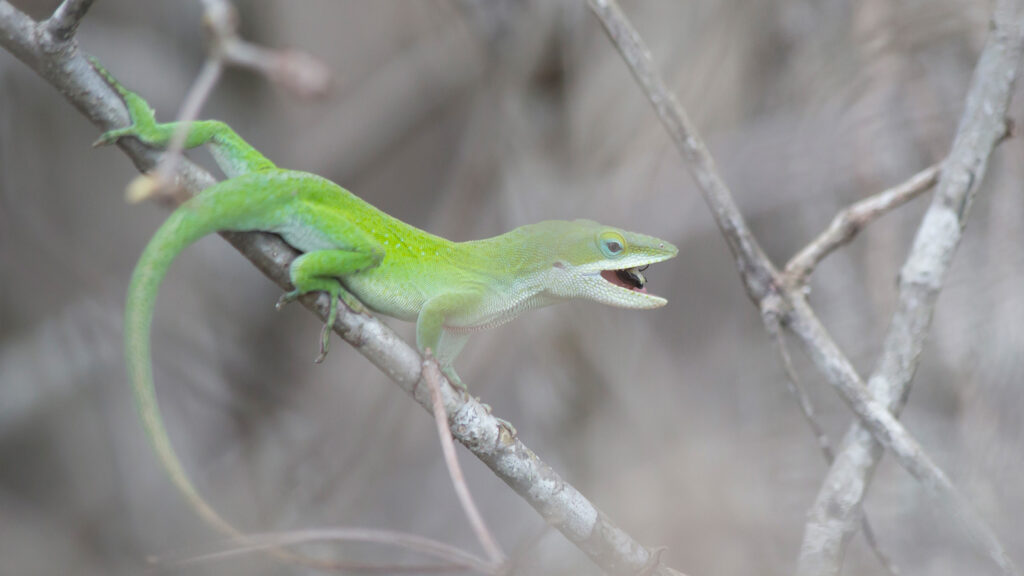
(181, 229)
(193, 220)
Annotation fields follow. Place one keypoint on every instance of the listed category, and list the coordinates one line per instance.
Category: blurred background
(468, 118)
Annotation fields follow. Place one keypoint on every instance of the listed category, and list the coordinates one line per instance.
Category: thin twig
(453, 557)
(832, 520)
(146, 186)
(432, 375)
(807, 409)
(557, 501)
(64, 21)
(849, 221)
(762, 281)
(298, 72)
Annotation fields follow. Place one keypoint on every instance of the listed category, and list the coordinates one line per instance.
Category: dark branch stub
(64, 21)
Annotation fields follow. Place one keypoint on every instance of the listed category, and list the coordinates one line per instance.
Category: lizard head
(585, 259)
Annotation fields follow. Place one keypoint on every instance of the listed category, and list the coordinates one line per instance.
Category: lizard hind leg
(320, 271)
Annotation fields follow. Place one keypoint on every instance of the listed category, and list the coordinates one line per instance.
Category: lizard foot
(112, 136)
(325, 333)
(332, 315)
(286, 299)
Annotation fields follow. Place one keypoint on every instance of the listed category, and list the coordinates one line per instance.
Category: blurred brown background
(468, 118)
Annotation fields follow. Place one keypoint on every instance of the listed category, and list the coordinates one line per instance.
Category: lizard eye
(613, 245)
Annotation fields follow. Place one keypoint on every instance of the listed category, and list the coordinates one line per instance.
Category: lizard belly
(385, 295)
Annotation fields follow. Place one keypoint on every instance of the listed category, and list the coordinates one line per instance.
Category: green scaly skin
(356, 252)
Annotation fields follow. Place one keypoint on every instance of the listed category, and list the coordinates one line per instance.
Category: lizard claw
(285, 299)
(325, 343)
(105, 140)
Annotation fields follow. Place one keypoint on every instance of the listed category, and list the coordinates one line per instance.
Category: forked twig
(832, 520)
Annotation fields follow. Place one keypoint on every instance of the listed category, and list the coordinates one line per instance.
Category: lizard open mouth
(628, 278)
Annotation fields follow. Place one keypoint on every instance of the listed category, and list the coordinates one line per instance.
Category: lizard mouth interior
(631, 279)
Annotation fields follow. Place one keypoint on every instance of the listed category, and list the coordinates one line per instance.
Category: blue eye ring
(612, 244)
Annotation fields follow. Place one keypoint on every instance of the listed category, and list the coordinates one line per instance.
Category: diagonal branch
(765, 285)
(557, 501)
(834, 516)
(756, 271)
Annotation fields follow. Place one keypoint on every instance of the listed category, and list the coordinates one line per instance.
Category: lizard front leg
(431, 333)
(444, 343)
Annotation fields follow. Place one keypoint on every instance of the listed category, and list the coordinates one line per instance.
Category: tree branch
(557, 501)
(834, 516)
(765, 285)
(850, 221)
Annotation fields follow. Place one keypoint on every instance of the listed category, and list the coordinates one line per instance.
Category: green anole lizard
(355, 252)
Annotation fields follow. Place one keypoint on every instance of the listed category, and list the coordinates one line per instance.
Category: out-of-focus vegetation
(468, 118)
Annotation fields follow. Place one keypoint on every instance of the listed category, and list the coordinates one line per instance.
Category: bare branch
(849, 222)
(762, 281)
(64, 21)
(825, 353)
(833, 518)
(432, 376)
(557, 501)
